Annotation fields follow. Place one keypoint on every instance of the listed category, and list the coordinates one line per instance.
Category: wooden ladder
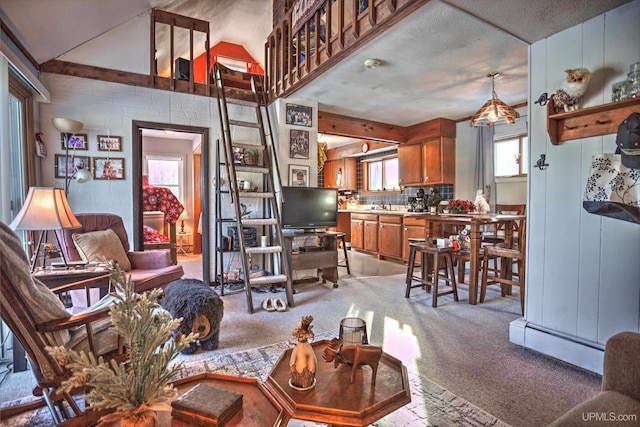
(247, 94)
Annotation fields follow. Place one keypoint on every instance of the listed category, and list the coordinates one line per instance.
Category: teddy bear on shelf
(571, 91)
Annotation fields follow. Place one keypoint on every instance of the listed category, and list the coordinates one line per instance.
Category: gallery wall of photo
(103, 165)
(298, 142)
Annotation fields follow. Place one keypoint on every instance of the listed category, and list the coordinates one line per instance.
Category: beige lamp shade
(67, 125)
(45, 208)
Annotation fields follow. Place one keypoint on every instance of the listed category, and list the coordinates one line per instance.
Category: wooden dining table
(477, 223)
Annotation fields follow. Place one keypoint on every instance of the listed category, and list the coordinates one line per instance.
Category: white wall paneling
(583, 278)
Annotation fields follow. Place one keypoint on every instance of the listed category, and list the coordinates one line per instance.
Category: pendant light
(494, 109)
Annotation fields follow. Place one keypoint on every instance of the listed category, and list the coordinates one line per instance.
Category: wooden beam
(335, 124)
(353, 149)
(96, 73)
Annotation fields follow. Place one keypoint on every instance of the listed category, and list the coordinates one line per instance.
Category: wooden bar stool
(432, 257)
(341, 236)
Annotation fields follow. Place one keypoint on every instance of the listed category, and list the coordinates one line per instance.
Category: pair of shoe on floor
(274, 304)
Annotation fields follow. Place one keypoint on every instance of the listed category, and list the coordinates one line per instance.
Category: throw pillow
(103, 245)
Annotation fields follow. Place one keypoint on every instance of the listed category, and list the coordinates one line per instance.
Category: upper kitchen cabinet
(429, 155)
(429, 162)
(340, 174)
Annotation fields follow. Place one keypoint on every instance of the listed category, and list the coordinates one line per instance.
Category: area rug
(431, 404)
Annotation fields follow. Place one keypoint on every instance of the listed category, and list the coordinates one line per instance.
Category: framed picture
(109, 143)
(299, 176)
(108, 168)
(299, 115)
(299, 144)
(66, 166)
(76, 142)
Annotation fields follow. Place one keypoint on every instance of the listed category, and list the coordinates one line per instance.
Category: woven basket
(251, 159)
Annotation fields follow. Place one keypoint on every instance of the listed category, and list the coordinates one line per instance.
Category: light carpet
(431, 404)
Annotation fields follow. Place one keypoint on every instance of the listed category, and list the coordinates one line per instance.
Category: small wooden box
(207, 406)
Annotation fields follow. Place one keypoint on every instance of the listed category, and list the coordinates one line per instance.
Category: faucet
(382, 206)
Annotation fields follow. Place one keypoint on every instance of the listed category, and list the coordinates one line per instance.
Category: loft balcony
(334, 28)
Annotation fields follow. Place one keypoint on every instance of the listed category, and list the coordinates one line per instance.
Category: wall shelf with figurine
(587, 122)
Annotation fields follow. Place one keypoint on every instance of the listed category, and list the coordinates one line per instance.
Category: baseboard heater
(583, 353)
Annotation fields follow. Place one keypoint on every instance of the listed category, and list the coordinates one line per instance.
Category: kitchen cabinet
(428, 162)
(412, 228)
(345, 168)
(364, 232)
(390, 236)
(371, 234)
(410, 164)
(357, 232)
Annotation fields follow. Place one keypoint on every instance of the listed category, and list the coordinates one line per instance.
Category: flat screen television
(309, 208)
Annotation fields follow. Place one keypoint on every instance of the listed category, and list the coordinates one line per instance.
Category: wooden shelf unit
(587, 122)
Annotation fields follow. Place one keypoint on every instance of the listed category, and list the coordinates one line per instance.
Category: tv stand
(325, 259)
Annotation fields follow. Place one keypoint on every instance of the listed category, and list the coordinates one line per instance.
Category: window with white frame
(166, 171)
(510, 156)
(382, 174)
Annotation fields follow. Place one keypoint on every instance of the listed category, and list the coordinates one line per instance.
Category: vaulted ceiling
(433, 64)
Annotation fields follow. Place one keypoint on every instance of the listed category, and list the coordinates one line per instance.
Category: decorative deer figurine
(355, 355)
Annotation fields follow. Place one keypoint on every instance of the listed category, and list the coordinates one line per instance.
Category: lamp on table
(184, 215)
(45, 209)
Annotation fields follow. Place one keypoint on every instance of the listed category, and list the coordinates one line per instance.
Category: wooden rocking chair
(38, 319)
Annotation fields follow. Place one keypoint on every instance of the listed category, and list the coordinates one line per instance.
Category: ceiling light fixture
(494, 109)
(372, 63)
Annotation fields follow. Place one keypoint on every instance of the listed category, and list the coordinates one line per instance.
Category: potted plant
(432, 201)
(139, 386)
(251, 157)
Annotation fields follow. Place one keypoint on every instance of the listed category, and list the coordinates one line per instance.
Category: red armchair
(149, 269)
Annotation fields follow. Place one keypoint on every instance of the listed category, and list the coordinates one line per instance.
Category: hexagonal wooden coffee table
(259, 409)
(334, 400)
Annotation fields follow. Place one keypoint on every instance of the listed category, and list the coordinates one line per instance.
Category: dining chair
(495, 233)
(505, 275)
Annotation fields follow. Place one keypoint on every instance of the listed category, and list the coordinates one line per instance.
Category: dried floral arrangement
(141, 383)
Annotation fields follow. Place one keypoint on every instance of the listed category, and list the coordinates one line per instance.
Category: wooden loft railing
(288, 66)
(344, 26)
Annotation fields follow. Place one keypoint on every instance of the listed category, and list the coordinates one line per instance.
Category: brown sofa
(149, 269)
(618, 404)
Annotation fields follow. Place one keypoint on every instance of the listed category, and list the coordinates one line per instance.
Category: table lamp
(45, 209)
(184, 215)
(68, 128)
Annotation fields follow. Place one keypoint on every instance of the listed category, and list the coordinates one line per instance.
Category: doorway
(200, 219)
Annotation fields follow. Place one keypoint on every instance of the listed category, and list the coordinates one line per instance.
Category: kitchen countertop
(385, 212)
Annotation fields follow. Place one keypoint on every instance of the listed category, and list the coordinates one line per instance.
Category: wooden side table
(181, 243)
(334, 399)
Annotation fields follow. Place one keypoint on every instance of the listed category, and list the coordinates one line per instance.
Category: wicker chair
(37, 318)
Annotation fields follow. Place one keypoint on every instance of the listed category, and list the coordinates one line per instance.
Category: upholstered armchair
(148, 269)
(620, 394)
(38, 319)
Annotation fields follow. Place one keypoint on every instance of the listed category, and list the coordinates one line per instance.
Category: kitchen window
(381, 174)
(511, 156)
